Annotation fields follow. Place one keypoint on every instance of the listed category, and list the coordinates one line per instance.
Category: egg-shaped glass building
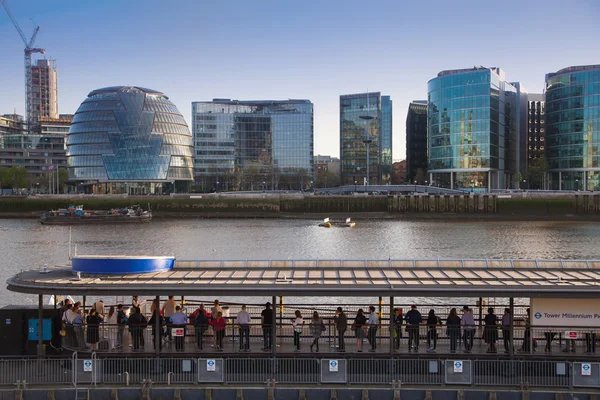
(126, 139)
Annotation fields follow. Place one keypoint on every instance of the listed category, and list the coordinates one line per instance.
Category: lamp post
(425, 186)
(217, 188)
(472, 185)
(354, 185)
(264, 186)
(577, 185)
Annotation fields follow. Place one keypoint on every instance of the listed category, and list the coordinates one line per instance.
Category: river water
(25, 244)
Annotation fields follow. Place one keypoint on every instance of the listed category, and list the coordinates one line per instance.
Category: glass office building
(472, 129)
(253, 145)
(573, 128)
(126, 139)
(366, 117)
(416, 141)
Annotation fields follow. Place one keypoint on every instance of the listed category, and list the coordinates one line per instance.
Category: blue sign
(33, 329)
(538, 315)
(586, 367)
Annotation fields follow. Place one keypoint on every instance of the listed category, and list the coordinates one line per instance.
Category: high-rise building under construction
(44, 90)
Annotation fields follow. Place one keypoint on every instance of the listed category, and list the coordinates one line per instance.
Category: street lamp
(472, 184)
(217, 188)
(264, 186)
(354, 185)
(577, 185)
(425, 186)
(524, 184)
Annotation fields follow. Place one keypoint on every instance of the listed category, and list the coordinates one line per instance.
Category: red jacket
(219, 324)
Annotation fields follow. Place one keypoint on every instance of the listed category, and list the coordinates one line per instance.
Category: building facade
(12, 124)
(253, 145)
(327, 171)
(45, 89)
(399, 173)
(536, 135)
(126, 139)
(573, 128)
(416, 139)
(472, 129)
(366, 122)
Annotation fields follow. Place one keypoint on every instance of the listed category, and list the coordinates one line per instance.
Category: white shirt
(243, 318)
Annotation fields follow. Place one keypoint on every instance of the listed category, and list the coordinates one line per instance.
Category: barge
(76, 215)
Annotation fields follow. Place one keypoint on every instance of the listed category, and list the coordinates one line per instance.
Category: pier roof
(315, 277)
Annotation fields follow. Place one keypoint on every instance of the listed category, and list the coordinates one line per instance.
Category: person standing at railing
(468, 325)
(121, 322)
(137, 324)
(506, 333)
(219, 325)
(397, 320)
(297, 325)
(93, 321)
(201, 324)
(341, 324)
(453, 329)
(161, 324)
(490, 330)
(266, 321)
(168, 309)
(243, 321)
(111, 322)
(373, 325)
(527, 343)
(317, 327)
(358, 327)
(413, 322)
(178, 322)
(77, 323)
(590, 342)
(432, 322)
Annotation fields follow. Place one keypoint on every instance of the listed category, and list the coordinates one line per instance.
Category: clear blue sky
(240, 49)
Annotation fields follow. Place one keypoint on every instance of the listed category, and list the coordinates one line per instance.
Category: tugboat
(76, 215)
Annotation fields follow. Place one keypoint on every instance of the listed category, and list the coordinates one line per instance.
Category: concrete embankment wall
(232, 393)
(276, 205)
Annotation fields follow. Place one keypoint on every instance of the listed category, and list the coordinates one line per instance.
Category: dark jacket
(413, 317)
(201, 321)
(152, 323)
(341, 321)
(137, 321)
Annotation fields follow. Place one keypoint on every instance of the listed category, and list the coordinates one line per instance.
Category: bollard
(126, 378)
(169, 375)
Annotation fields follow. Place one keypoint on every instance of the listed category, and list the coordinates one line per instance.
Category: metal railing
(126, 371)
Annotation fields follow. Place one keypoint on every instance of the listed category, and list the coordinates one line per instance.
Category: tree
(327, 179)
(519, 179)
(536, 172)
(14, 177)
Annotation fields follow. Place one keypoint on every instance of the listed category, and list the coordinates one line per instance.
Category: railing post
(157, 327)
(40, 349)
(274, 326)
(392, 326)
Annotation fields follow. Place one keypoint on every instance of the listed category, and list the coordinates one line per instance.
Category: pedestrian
(63, 309)
(468, 325)
(341, 324)
(397, 320)
(243, 321)
(526, 346)
(432, 322)
(216, 308)
(373, 326)
(506, 330)
(453, 329)
(93, 322)
(99, 307)
(161, 323)
(358, 327)
(413, 322)
(135, 302)
(137, 324)
(490, 330)
(168, 309)
(201, 324)
(111, 327)
(219, 325)
(317, 327)
(266, 321)
(178, 322)
(77, 323)
(297, 324)
(121, 322)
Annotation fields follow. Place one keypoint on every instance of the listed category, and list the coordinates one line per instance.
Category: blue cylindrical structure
(119, 265)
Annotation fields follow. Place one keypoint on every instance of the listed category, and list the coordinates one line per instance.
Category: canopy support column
(274, 328)
(392, 326)
(40, 349)
(157, 327)
(511, 332)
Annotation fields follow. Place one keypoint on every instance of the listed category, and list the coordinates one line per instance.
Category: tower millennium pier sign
(565, 312)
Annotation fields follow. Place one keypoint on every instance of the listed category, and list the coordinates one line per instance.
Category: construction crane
(29, 50)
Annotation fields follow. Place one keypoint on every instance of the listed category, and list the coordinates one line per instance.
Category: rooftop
(314, 277)
(111, 89)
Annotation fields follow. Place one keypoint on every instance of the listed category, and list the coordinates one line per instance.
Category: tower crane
(29, 50)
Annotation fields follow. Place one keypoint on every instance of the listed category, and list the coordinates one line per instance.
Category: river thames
(25, 244)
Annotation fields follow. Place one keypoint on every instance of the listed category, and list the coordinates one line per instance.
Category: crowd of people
(171, 324)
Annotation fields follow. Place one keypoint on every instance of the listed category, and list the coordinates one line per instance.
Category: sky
(197, 50)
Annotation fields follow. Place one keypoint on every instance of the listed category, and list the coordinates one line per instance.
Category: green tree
(14, 177)
(519, 179)
(536, 171)
(327, 179)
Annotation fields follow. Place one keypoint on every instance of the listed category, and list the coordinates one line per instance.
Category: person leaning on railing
(243, 321)
(179, 321)
(413, 321)
(468, 325)
(397, 320)
(121, 322)
(161, 324)
(506, 332)
(219, 325)
(373, 325)
(137, 323)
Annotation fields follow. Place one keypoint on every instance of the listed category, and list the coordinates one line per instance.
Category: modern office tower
(44, 89)
(366, 123)
(535, 126)
(126, 139)
(253, 145)
(573, 128)
(416, 140)
(472, 129)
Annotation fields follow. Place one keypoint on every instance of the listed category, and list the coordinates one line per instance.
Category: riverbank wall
(290, 206)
